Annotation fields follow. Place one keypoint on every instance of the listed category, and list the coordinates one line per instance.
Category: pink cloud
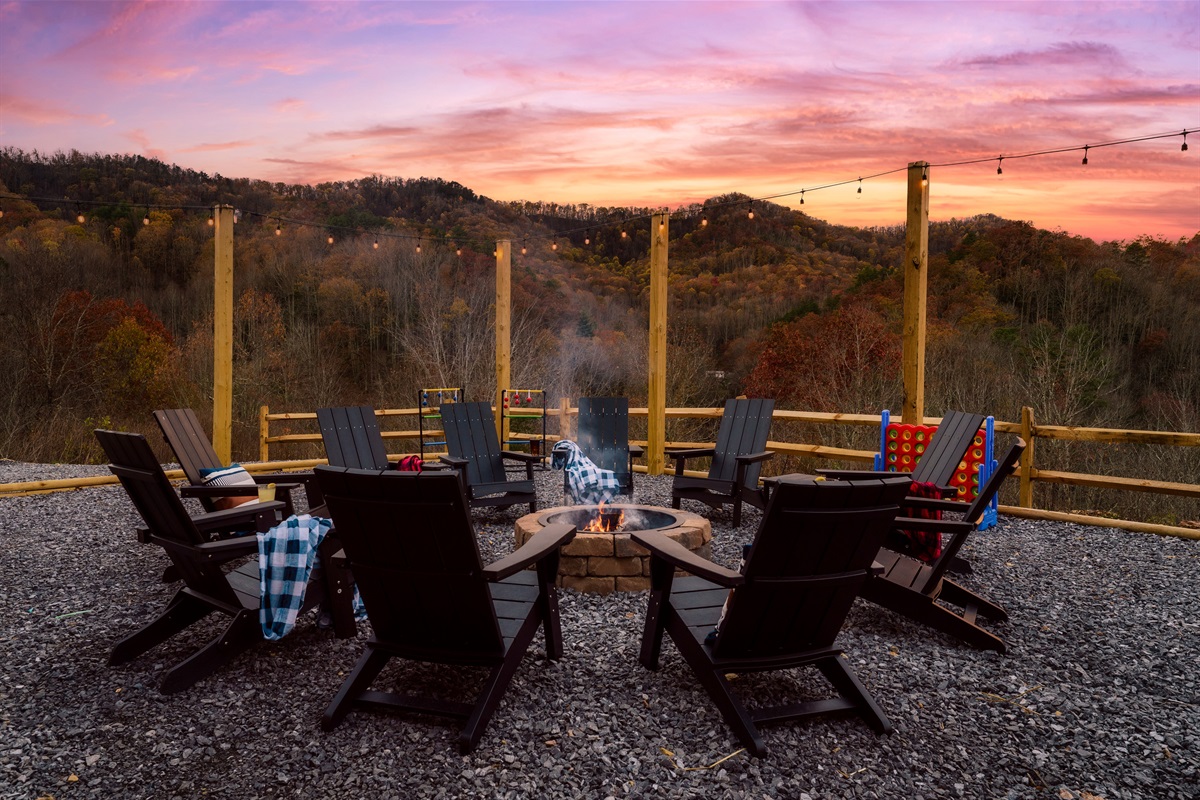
(140, 138)
(219, 146)
(37, 112)
(1071, 54)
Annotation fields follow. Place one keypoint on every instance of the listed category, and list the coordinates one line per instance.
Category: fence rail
(1028, 473)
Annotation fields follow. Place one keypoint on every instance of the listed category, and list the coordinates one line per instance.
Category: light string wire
(609, 223)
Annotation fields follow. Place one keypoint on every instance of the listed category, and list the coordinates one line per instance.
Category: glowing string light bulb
(212, 218)
(554, 245)
(330, 239)
(146, 219)
(624, 235)
(418, 245)
(750, 213)
(587, 237)
(925, 176)
(278, 229)
(458, 252)
(704, 221)
(524, 249)
(80, 218)
(376, 244)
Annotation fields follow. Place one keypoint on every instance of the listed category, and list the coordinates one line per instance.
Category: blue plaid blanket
(287, 555)
(587, 484)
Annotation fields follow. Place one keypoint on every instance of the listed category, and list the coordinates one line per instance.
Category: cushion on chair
(233, 475)
(712, 635)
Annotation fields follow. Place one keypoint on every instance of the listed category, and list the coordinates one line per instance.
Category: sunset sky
(639, 103)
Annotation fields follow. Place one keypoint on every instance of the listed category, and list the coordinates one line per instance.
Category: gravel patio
(1099, 695)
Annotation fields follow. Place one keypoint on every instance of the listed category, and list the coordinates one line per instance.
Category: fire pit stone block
(602, 563)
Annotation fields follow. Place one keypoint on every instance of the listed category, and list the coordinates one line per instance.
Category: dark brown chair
(411, 546)
(194, 451)
(351, 437)
(473, 448)
(811, 555)
(922, 591)
(202, 564)
(603, 436)
(736, 460)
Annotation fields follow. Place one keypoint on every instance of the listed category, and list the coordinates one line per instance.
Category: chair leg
(737, 510)
(547, 602)
(661, 575)
(736, 715)
(494, 688)
(954, 593)
(849, 687)
(243, 630)
(339, 589)
(365, 671)
(948, 622)
(181, 611)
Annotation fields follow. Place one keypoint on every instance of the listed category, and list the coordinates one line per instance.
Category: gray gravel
(1098, 696)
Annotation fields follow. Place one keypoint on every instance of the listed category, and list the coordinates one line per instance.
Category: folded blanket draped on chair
(287, 555)
(587, 484)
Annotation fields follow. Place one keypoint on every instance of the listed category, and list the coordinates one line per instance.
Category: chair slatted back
(745, 426)
(471, 434)
(975, 510)
(416, 561)
(188, 440)
(134, 464)
(950, 441)
(351, 437)
(809, 559)
(603, 433)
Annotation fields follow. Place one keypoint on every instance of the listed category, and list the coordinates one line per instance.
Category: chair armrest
(663, 547)
(230, 491)
(537, 547)
(528, 458)
(233, 516)
(934, 504)
(219, 551)
(859, 474)
(753, 458)
(636, 451)
(693, 452)
(456, 463)
(933, 525)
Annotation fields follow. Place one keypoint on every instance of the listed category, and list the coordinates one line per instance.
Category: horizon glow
(639, 104)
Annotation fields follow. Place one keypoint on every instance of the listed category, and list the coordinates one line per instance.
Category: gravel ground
(1097, 697)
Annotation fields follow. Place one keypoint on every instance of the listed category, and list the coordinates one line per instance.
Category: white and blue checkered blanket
(287, 555)
(587, 484)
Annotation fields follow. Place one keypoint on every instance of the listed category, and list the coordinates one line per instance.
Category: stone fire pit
(602, 562)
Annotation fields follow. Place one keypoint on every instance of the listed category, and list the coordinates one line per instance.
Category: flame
(605, 522)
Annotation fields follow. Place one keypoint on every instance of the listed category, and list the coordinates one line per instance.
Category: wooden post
(264, 449)
(503, 330)
(1025, 494)
(656, 423)
(564, 418)
(916, 286)
(223, 333)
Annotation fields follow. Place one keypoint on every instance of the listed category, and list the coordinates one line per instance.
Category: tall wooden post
(1025, 493)
(223, 333)
(916, 286)
(656, 435)
(503, 329)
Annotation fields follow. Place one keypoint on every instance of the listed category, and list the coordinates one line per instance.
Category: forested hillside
(112, 317)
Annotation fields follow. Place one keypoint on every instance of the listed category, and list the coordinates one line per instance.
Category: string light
(704, 220)
(524, 249)
(1000, 165)
(418, 245)
(376, 245)
(80, 218)
(801, 197)
(1184, 148)
(1085, 149)
(330, 239)
(624, 235)
(925, 176)
(146, 219)
(554, 245)
(278, 229)
(458, 252)
(587, 237)
(750, 213)
(860, 185)
(212, 219)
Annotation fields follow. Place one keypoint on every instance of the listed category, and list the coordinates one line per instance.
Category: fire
(605, 521)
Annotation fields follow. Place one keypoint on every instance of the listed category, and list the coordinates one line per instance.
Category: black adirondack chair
(811, 555)
(208, 585)
(351, 437)
(194, 451)
(921, 591)
(736, 460)
(412, 548)
(473, 448)
(603, 436)
(941, 458)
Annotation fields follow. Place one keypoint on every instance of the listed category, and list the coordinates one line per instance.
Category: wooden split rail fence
(1028, 473)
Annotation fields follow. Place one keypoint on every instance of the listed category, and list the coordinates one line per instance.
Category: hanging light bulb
(925, 176)
(750, 213)
(624, 235)
(458, 252)
(330, 239)
(278, 230)
(524, 249)
(376, 245)
(1184, 148)
(860, 185)
(418, 245)
(801, 197)
(704, 221)
(1000, 165)
(587, 237)
(80, 218)
(1, 213)
(1085, 149)
(146, 219)
(212, 219)
(554, 245)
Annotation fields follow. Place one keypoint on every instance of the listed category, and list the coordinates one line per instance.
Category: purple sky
(643, 103)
